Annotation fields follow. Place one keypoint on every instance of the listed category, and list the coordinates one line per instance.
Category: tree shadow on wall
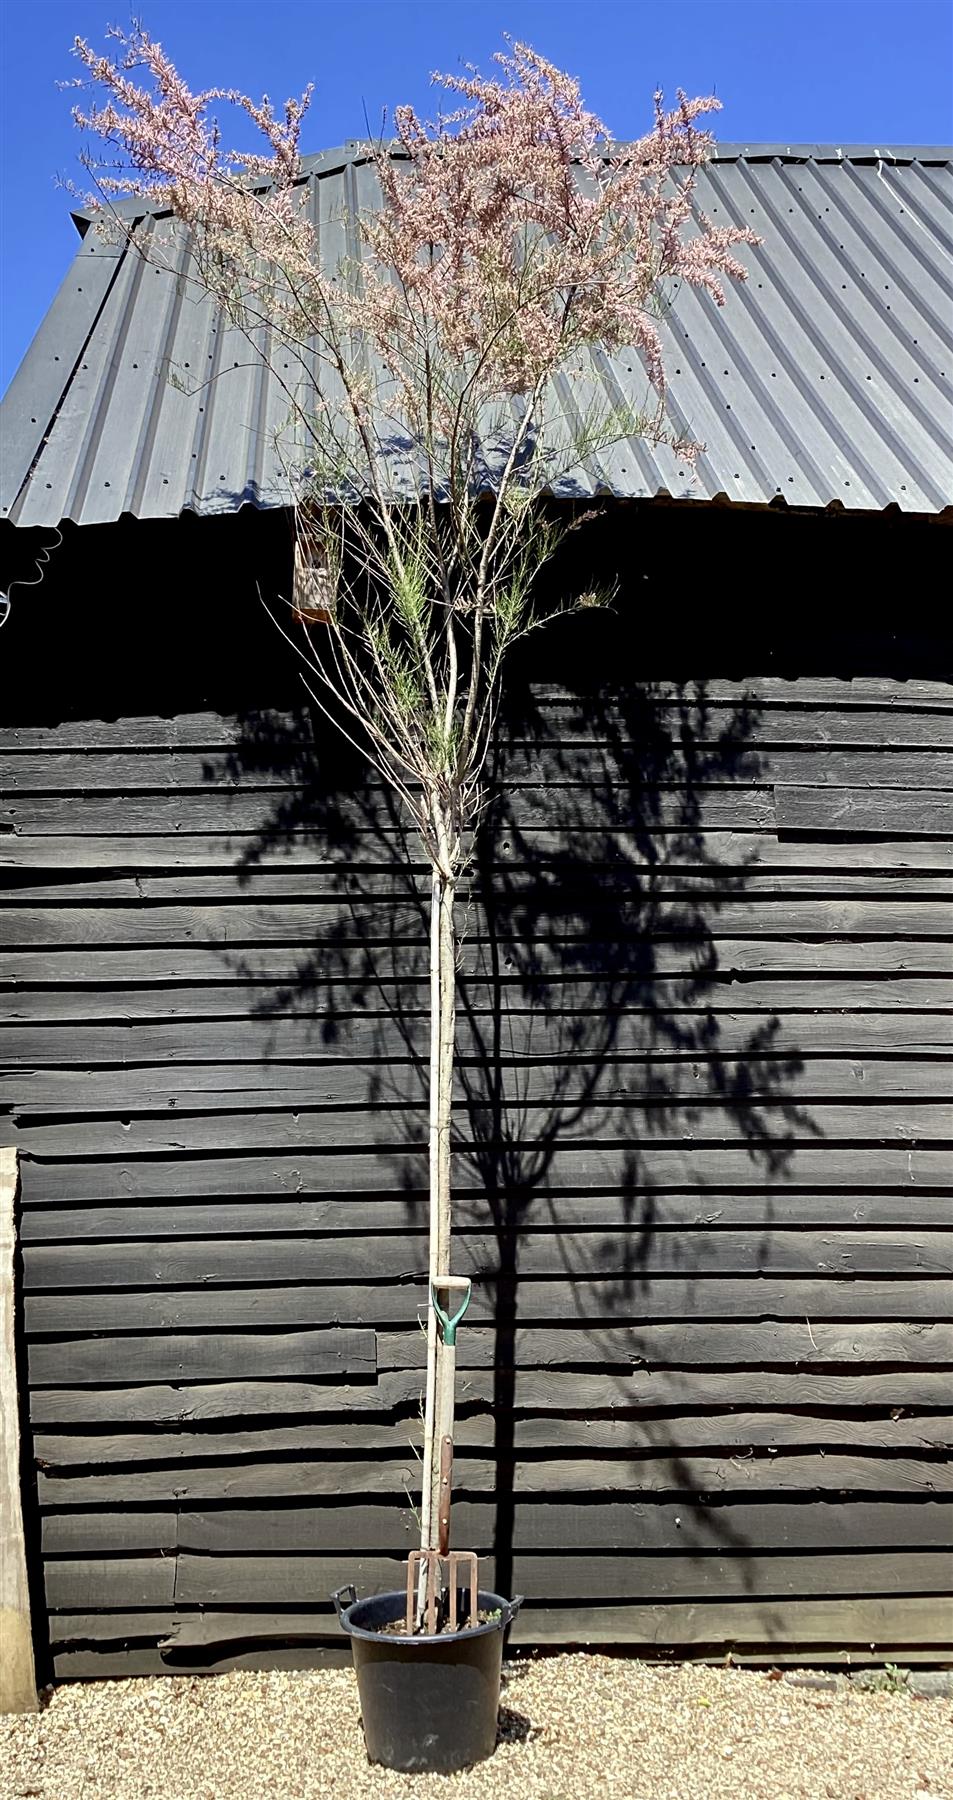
(611, 1083)
(617, 1073)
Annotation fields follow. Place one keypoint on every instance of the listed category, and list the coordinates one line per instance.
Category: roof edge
(358, 150)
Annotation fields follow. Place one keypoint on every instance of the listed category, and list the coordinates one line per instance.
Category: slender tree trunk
(438, 1415)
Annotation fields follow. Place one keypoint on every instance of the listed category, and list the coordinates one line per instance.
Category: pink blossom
(512, 233)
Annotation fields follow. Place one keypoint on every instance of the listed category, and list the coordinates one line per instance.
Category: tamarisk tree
(421, 438)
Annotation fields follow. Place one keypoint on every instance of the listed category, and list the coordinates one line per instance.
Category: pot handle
(343, 1597)
(511, 1609)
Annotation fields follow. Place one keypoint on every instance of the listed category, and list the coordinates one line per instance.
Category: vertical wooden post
(17, 1672)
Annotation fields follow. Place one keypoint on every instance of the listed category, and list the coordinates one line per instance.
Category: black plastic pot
(427, 1703)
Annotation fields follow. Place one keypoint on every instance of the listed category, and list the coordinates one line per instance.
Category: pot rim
(508, 1610)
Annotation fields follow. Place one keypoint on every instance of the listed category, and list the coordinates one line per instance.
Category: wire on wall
(40, 563)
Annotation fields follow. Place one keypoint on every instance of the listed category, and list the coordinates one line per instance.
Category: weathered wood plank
(404, 1173)
(776, 690)
(654, 1629)
(95, 1663)
(597, 1304)
(207, 1580)
(34, 1095)
(107, 1533)
(385, 920)
(284, 1580)
(218, 1048)
(662, 761)
(800, 1473)
(722, 850)
(192, 731)
(287, 809)
(246, 1219)
(158, 1404)
(162, 771)
(529, 1390)
(186, 1024)
(612, 967)
(688, 1080)
(17, 1674)
(241, 852)
(662, 1365)
(97, 1584)
(779, 1126)
(110, 1581)
(875, 1624)
(909, 1387)
(648, 1433)
(278, 1481)
(922, 812)
(640, 759)
(737, 1431)
(640, 1252)
(755, 690)
(540, 1391)
(684, 1526)
(659, 1525)
(815, 703)
(335, 1352)
(715, 723)
(316, 887)
(699, 881)
(811, 1343)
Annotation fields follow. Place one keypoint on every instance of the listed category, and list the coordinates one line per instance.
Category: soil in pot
(398, 1627)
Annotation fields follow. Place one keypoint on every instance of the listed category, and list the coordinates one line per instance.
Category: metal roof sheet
(827, 378)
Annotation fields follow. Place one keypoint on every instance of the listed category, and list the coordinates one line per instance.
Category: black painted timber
(704, 1134)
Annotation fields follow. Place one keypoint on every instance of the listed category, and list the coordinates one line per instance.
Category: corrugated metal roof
(826, 378)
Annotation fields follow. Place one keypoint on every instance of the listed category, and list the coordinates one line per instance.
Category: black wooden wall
(703, 1170)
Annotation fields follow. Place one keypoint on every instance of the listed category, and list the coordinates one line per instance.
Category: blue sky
(789, 71)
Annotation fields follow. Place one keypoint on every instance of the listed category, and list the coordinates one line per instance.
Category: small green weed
(889, 1680)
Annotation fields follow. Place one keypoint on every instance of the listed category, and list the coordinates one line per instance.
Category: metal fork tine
(463, 1562)
(413, 1566)
(441, 1572)
(433, 1587)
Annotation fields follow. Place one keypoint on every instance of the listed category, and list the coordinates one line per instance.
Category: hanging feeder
(314, 595)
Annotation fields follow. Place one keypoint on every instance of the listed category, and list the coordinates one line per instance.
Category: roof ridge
(730, 150)
(356, 150)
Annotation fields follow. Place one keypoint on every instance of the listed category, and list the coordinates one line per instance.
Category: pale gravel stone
(574, 1727)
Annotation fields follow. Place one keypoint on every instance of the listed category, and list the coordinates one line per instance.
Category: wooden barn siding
(704, 1112)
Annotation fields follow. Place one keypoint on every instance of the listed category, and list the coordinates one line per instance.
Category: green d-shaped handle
(448, 1321)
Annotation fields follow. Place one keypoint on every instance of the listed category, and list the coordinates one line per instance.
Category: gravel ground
(572, 1727)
